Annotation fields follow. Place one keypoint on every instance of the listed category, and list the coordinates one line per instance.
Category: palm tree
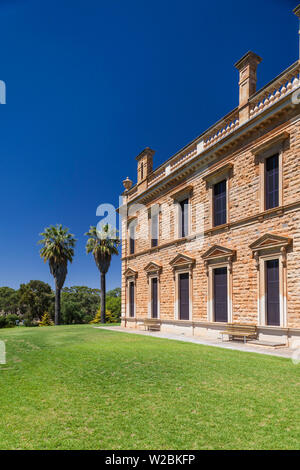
(103, 244)
(58, 249)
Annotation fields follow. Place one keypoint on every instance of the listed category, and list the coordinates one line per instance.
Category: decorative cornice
(276, 140)
(182, 260)
(222, 171)
(269, 241)
(249, 57)
(146, 152)
(218, 251)
(130, 273)
(153, 268)
(186, 191)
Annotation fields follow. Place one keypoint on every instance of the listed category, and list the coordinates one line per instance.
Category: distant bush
(29, 322)
(8, 321)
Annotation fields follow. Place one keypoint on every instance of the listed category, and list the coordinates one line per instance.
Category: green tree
(113, 304)
(9, 300)
(79, 304)
(58, 250)
(103, 244)
(35, 298)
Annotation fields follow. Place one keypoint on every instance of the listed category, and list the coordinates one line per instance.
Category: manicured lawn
(77, 387)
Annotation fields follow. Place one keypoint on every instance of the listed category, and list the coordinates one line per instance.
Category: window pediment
(270, 241)
(215, 176)
(153, 268)
(182, 260)
(183, 193)
(218, 251)
(273, 144)
(130, 273)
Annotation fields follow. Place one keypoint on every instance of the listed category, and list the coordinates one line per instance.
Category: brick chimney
(247, 66)
(144, 167)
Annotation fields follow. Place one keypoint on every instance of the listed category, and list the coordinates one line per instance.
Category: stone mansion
(212, 235)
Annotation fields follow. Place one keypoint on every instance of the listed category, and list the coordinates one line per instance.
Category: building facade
(212, 236)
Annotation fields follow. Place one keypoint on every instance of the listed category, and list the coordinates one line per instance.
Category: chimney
(297, 13)
(145, 166)
(247, 66)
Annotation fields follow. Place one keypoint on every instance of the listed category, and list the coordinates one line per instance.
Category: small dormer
(145, 165)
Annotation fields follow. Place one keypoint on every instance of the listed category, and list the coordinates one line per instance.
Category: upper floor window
(219, 203)
(132, 239)
(184, 218)
(272, 182)
(154, 229)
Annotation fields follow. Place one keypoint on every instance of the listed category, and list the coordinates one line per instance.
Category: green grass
(77, 387)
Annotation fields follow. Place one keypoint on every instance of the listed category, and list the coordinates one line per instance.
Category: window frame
(131, 226)
(262, 152)
(215, 176)
(182, 224)
(214, 202)
(266, 193)
(154, 211)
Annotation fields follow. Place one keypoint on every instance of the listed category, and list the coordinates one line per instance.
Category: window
(272, 291)
(219, 203)
(184, 218)
(272, 182)
(220, 295)
(131, 299)
(154, 297)
(154, 229)
(184, 297)
(131, 239)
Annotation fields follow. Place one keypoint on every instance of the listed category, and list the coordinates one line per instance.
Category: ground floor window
(272, 292)
(270, 255)
(154, 297)
(184, 296)
(131, 299)
(220, 295)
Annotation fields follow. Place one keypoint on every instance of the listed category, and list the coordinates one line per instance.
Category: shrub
(8, 321)
(3, 323)
(30, 323)
(97, 318)
(110, 317)
(11, 319)
(46, 320)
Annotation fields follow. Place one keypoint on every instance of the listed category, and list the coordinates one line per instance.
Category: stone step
(269, 344)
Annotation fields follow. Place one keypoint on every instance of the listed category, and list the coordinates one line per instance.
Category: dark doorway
(220, 295)
(272, 280)
(154, 300)
(184, 297)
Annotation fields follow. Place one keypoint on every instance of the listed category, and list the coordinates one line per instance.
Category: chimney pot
(247, 67)
(145, 166)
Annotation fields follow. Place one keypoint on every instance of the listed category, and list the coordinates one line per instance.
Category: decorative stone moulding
(127, 184)
(182, 261)
(217, 253)
(270, 242)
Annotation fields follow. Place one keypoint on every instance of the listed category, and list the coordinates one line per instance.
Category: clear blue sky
(90, 83)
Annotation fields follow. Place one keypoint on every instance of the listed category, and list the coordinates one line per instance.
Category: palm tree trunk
(103, 297)
(57, 306)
